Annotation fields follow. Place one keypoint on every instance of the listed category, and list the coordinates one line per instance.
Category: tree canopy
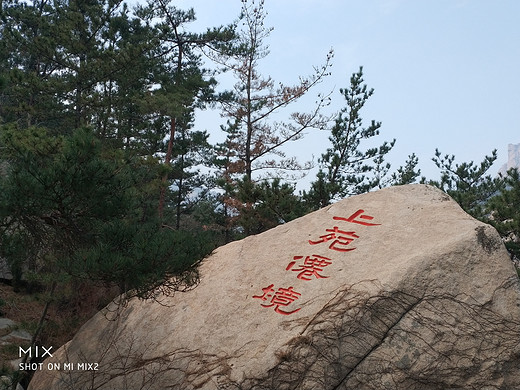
(97, 118)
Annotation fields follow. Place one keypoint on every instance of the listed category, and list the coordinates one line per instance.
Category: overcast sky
(446, 73)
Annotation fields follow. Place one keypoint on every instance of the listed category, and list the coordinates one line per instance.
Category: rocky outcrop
(396, 289)
(513, 159)
(12, 336)
(5, 270)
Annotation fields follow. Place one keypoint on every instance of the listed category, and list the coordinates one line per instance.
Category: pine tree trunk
(167, 162)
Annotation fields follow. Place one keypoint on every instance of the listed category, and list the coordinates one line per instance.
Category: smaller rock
(15, 364)
(6, 381)
(17, 335)
(6, 323)
(5, 270)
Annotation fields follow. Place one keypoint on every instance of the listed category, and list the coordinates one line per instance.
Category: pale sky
(446, 73)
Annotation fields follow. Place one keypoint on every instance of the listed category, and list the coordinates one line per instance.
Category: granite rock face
(395, 289)
(513, 159)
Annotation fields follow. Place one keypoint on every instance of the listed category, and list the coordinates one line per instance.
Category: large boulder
(395, 289)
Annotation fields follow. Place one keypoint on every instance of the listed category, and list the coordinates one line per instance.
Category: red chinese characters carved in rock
(340, 239)
(358, 217)
(283, 297)
(312, 266)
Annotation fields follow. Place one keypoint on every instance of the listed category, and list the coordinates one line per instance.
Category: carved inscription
(311, 267)
(281, 298)
(340, 239)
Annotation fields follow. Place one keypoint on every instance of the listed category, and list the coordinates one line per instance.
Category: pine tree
(254, 139)
(69, 62)
(503, 212)
(468, 184)
(30, 78)
(406, 174)
(252, 150)
(181, 83)
(264, 205)
(346, 169)
(189, 185)
(88, 213)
